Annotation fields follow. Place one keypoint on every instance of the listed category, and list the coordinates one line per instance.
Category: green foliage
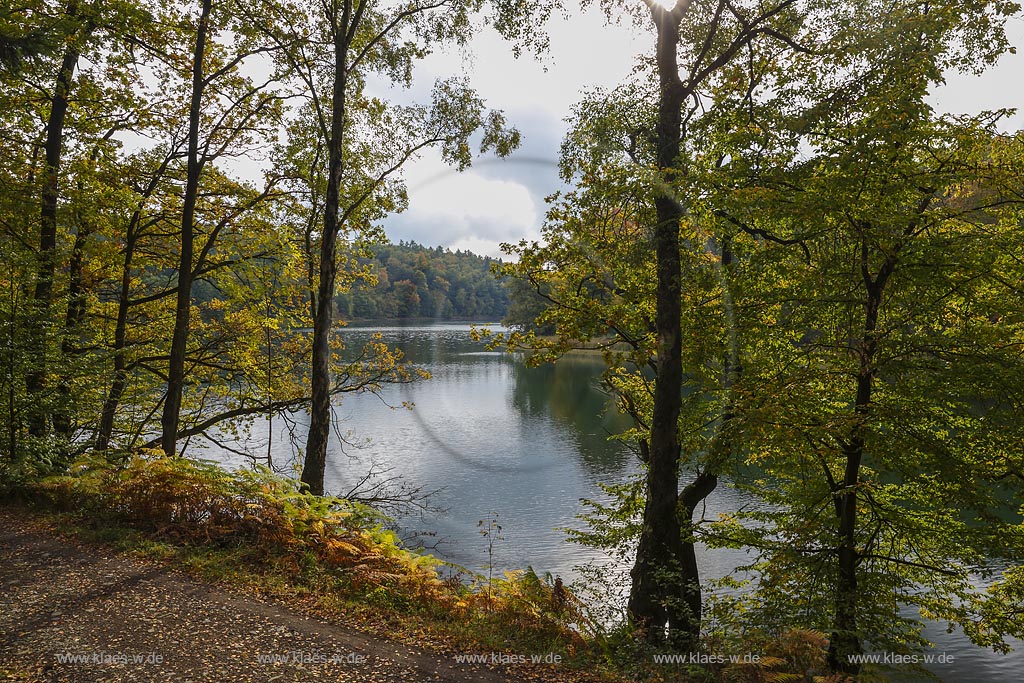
(20, 43)
(1001, 612)
(612, 526)
(526, 305)
(876, 326)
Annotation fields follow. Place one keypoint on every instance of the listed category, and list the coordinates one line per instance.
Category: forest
(419, 282)
(802, 280)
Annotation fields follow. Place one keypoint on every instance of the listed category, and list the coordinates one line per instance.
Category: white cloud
(480, 246)
(585, 51)
(455, 209)
(433, 187)
(503, 200)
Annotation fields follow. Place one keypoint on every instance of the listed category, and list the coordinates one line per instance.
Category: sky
(503, 200)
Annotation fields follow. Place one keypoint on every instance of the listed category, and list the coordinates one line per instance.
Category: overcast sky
(503, 200)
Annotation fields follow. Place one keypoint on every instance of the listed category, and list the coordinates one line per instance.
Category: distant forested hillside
(414, 281)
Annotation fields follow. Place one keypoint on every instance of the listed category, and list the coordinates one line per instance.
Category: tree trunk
(845, 641)
(315, 463)
(183, 310)
(35, 380)
(664, 573)
(75, 316)
(120, 382)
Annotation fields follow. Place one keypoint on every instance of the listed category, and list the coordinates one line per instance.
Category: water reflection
(569, 392)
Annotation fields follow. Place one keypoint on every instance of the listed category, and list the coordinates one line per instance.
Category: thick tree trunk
(664, 574)
(35, 381)
(183, 309)
(845, 641)
(315, 463)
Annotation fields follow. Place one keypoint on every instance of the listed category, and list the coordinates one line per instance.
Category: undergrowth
(256, 529)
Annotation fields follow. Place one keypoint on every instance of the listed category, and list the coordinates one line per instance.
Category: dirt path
(76, 613)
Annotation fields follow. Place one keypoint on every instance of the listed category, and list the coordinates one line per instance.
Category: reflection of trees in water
(422, 343)
(569, 393)
(566, 392)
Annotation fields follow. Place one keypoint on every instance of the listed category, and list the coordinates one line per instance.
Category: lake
(498, 440)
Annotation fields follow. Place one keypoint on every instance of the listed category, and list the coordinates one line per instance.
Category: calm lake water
(498, 440)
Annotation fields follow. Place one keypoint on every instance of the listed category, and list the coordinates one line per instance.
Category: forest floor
(77, 611)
